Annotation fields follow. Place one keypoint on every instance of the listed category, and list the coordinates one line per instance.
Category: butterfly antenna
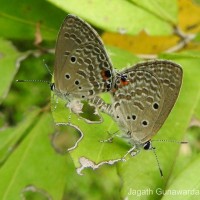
(172, 141)
(154, 151)
(37, 81)
(47, 67)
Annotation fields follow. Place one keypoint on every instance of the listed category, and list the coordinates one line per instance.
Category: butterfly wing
(137, 103)
(170, 75)
(82, 67)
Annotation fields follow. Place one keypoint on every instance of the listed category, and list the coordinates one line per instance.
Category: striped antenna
(40, 81)
(37, 81)
(172, 141)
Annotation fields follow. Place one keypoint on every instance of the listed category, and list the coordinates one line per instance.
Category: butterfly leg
(56, 103)
(132, 151)
(69, 117)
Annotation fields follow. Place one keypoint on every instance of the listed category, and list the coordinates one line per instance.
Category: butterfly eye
(147, 145)
(124, 78)
(52, 86)
(73, 59)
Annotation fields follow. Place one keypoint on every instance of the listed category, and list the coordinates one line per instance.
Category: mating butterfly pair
(143, 95)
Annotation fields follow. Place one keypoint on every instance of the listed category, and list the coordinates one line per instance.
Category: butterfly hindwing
(170, 76)
(137, 103)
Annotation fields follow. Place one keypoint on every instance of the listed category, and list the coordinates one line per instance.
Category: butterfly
(143, 96)
(82, 67)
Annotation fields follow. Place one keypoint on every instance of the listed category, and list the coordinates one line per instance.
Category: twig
(184, 40)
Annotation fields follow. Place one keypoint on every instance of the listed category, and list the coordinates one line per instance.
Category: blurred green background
(34, 163)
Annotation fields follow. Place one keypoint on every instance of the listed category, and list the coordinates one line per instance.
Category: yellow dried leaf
(189, 16)
(140, 44)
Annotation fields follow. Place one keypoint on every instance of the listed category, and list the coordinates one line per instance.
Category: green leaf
(34, 162)
(10, 136)
(20, 19)
(197, 38)
(89, 146)
(197, 110)
(166, 10)
(9, 64)
(187, 183)
(121, 60)
(126, 17)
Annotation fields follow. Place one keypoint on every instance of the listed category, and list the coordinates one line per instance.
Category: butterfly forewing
(82, 66)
